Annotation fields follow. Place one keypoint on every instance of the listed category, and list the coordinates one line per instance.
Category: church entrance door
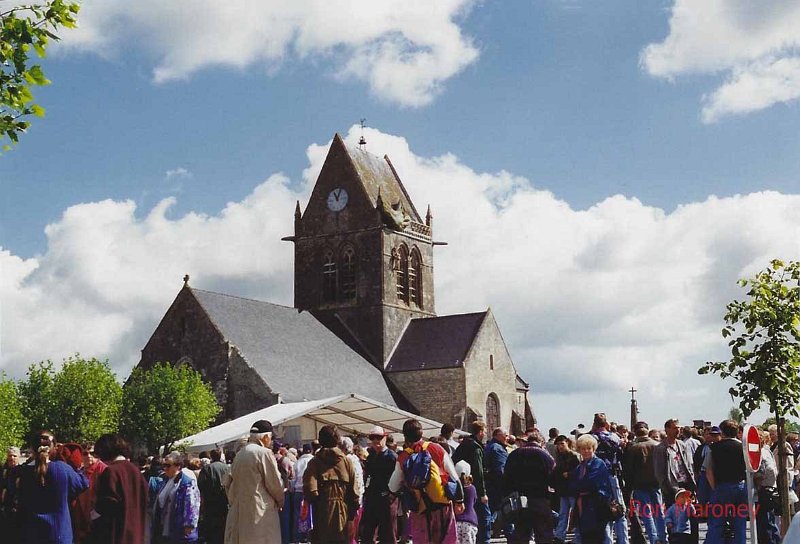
(492, 413)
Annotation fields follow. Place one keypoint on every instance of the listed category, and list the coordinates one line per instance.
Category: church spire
(298, 216)
(429, 216)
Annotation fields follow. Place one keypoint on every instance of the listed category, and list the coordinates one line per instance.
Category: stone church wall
(438, 393)
(482, 379)
(186, 336)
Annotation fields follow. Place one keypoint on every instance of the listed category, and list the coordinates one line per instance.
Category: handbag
(305, 521)
(511, 506)
(610, 509)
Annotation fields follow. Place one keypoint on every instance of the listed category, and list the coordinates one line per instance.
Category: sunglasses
(375, 436)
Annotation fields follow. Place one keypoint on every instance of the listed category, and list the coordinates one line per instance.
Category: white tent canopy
(351, 413)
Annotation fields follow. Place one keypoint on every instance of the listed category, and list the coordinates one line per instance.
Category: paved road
(703, 529)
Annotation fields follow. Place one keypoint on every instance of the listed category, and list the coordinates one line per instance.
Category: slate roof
(378, 175)
(295, 354)
(436, 342)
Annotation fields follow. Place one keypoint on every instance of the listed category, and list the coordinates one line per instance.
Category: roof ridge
(449, 316)
(242, 298)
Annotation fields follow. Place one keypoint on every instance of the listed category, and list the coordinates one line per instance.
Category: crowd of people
(608, 484)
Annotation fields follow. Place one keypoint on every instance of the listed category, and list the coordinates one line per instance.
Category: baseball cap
(261, 426)
(715, 430)
(376, 430)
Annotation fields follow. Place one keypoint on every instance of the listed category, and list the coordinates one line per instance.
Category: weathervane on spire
(362, 142)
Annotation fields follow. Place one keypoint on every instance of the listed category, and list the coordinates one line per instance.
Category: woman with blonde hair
(590, 482)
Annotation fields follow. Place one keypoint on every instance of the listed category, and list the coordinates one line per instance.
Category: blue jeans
(484, 521)
(286, 517)
(621, 525)
(703, 489)
(566, 506)
(297, 499)
(728, 502)
(766, 524)
(649, 506)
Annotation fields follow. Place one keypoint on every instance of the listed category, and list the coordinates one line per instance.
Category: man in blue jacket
(495, 456)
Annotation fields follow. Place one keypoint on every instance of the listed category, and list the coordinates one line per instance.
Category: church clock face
(337, 200)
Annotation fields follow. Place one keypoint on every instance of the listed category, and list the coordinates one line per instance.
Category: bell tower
(363, 254)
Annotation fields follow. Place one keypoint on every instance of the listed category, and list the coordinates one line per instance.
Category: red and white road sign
(751, 444)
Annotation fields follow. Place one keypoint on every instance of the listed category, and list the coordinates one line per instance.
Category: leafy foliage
(79, 402)
(791, 426)
(765, 341)
(736, 415)
(164, 404)
(764, 333)
(12, 422)
(23, 28)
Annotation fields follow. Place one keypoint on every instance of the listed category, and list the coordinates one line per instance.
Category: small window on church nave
(329, 278)
(348, 280)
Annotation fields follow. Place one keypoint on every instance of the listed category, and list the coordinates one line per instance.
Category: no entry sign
(751, 444)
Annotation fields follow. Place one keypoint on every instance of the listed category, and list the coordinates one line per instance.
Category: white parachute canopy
(352, 414)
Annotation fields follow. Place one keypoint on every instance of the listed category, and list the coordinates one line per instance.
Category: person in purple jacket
(46, 487)
(467, 518)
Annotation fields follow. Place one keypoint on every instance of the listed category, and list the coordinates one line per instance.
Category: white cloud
(404, 50)
(755, 45)
(590, 301)
(177, 173)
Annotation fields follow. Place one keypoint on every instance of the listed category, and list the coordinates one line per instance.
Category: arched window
(348, 280)
(492, 412)
(415, 278)
(402, 273)
(329, 278)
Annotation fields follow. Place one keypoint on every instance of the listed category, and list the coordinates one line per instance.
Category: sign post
(751, 449)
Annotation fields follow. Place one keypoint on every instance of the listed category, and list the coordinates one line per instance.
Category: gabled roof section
(297, 356)
(436, 342)
(378, 176)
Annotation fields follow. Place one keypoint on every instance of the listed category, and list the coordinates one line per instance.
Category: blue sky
(550, 98)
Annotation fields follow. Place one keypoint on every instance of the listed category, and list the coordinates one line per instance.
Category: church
(364, 318)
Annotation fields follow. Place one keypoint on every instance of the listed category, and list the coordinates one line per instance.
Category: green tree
(12, 423)
(37, 396)
(22, 28)
(79, 402)
(790, 426)
(764, 332)
(736, 415)
(164, 404)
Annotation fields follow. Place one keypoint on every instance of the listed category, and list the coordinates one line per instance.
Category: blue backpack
(609, 451)
(424, 481)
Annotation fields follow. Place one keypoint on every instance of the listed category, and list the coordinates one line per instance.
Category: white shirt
(299, 469)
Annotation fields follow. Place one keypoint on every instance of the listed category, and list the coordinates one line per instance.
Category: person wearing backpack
(609, 450)
(471, 451)
(424, 472)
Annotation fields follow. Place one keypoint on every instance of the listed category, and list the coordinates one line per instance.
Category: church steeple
(363, 255)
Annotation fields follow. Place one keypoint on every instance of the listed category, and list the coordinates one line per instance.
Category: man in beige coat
(255, 491)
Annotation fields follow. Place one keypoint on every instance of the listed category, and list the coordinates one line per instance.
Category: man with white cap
(255, 491)
(380, 506)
